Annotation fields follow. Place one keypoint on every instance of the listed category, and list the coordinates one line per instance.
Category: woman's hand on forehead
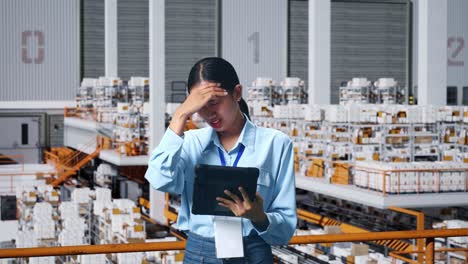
(200, 95)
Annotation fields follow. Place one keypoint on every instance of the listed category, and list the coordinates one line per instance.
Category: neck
(229, 137)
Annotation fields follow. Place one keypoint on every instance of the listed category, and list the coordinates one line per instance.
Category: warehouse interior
(373, 94)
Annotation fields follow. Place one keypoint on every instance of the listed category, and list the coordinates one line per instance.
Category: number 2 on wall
(455, 46)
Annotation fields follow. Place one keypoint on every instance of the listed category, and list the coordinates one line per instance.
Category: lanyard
(239, 154)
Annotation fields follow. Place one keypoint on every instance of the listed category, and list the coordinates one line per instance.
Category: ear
(237, 94)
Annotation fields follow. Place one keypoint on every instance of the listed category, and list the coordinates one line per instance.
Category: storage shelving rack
(450, 149)
(396, 143)
(357, 95)
(456, 255)
(339, 152)
(312, 149)
(390, 95)
(85, 211)
(144, 132)
(127, 132)
(463, 139)
(425, 142)
(84, 98)
(367, 141)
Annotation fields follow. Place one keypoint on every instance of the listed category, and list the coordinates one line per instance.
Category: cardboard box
(316, 169)
(341, 173)
(332, 230)
(457, 261)
(359, 250)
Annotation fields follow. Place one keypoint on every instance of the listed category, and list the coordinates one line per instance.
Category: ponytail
(244, 107)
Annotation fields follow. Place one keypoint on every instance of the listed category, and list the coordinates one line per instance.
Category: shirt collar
(246, 137)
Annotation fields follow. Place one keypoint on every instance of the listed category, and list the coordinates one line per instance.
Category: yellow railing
(428, 235)
(89, 146)
(419, 226)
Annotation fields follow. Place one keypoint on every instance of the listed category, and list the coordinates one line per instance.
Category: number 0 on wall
(26, 38)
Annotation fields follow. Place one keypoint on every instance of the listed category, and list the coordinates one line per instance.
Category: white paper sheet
(228, 237)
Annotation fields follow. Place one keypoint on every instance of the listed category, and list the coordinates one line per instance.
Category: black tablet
(211, 181)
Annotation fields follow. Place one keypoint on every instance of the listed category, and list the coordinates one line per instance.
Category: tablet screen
(211, 181)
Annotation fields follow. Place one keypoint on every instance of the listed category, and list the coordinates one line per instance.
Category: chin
(218, 129)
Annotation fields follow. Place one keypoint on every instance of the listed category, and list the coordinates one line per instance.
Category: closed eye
(212, 102)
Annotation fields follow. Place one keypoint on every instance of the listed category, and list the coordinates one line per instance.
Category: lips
(215, 123)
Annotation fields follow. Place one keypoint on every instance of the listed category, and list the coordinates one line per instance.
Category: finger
(245, 196)
(232, 196)
(210, 86)
(215, 90)
(220, 94)
(225, 201)
(225, 205)
(229, 206)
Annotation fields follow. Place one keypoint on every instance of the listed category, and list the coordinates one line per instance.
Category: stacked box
(363, 114)
(401, 177)
(336, 114)
(26, 239)
(341, 173)
(103, 195)
(134, 257)
(42, 260)
(104, 173)
(316, 168)
(124, 205)
(44, 228)
(449, 114)
(92, 259)
(26, 194)
(428, 114)
(71, 237)
(102, 209)
(42, 210)
(68, 210)
(465, 114)
(119, 221)
(451, 224)
(427, 181)
(314, 113)
(81, 195)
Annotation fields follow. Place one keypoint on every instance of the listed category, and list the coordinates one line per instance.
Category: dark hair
(217, 70)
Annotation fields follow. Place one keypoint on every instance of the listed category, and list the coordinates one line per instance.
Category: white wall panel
(92, 38)
(298, 42)
(254, 38)
(432, 52)
(39, 50)
(133, 38)
(457, 45)
(368, 39)
(190, 36)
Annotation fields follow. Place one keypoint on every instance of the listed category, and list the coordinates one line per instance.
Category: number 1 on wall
(254, 39)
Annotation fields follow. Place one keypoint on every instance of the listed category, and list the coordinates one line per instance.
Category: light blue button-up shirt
(171, 169)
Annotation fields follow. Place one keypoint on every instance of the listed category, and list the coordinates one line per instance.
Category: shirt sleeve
(168, 162)
(282, 215)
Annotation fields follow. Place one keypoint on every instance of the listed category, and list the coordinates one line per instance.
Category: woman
(270, 219)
